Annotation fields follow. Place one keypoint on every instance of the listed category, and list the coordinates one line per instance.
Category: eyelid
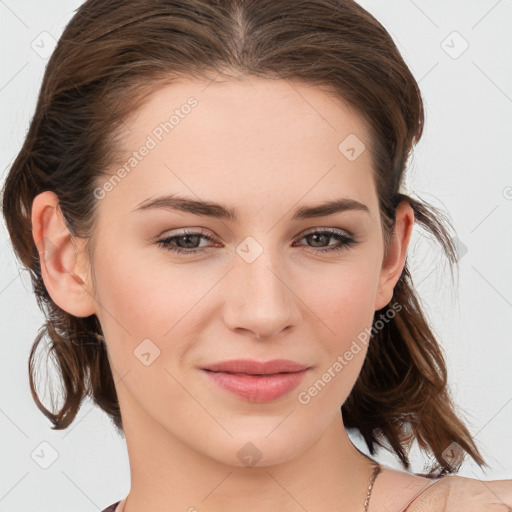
(185, 231)
(328, 229)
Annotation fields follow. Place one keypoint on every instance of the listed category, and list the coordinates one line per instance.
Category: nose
(260, 299)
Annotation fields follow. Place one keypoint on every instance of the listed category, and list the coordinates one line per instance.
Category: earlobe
(394, 260)
(61, 257)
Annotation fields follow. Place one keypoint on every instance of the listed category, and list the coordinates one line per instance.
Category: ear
(61, 257)
(394, 259)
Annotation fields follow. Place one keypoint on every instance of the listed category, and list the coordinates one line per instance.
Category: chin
(257, 451)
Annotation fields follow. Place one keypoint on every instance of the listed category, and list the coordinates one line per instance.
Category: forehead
(250, 140)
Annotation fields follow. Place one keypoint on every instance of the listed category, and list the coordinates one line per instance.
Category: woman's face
(257, 284)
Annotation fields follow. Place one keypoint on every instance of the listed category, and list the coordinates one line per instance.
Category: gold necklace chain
(377, 468)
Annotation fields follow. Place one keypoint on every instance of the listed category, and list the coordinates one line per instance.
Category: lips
(256, 381)
(252, 367)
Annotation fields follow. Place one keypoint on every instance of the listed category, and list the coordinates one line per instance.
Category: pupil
(187, 239)
(317, 236)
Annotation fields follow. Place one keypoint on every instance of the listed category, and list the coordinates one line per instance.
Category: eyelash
(345, 241)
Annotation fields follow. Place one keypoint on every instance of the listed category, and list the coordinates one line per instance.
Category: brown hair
(112, 54)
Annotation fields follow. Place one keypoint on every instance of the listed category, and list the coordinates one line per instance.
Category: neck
(166, 474)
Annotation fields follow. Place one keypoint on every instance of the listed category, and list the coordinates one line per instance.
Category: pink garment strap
(430, 484)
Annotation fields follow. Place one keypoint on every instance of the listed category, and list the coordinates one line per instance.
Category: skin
(264, 148)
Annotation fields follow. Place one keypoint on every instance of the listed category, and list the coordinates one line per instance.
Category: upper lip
(253, 367)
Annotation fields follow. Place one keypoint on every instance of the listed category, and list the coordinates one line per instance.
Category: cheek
(344, 314)
(139, 302)
(145, 312)
(343, 297)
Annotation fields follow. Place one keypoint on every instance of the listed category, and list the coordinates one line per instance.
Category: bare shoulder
(395, 489)
(399, 491)
(457, 494)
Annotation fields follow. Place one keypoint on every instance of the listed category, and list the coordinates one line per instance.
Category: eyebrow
(218, 211)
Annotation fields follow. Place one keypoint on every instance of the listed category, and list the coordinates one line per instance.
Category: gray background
(461, 165)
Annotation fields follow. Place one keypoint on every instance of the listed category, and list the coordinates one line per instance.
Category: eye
(187, 239)
(317, 237)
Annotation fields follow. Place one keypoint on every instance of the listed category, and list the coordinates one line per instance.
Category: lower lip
(257, 389)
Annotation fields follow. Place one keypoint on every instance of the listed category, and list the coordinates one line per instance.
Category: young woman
(209, 202)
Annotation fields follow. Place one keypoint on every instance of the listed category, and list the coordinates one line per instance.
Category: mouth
(259, 382)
